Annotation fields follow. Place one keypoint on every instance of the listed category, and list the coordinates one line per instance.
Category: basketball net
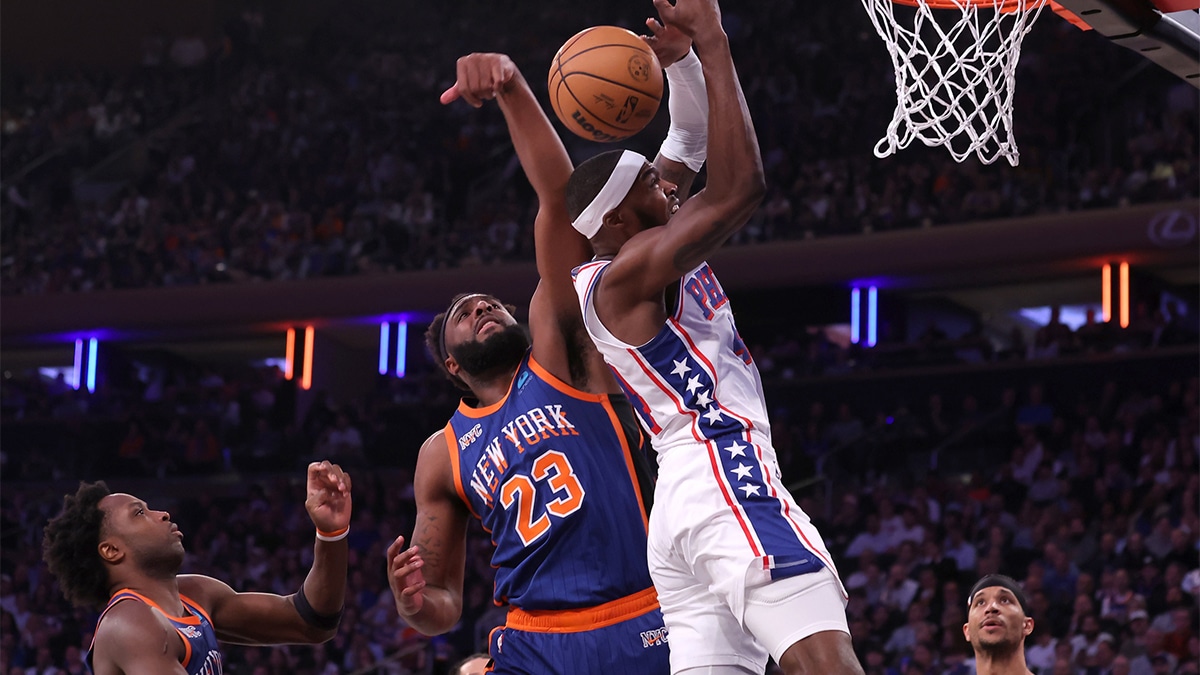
(956, 63)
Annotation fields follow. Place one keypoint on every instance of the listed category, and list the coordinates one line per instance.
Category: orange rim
(1002, 5)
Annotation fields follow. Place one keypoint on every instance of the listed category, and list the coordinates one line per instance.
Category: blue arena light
(77, 374)
(872, 315)
(91, 365)
(384, 330)
(855, 314)
(401, 347)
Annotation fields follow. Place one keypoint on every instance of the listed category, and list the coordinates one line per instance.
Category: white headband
(623, 176)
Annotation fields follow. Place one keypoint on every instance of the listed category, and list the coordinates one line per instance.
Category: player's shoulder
(436, 442)
(126, 622)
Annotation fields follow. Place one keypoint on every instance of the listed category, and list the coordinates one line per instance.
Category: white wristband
(687, 139)
(334, 536)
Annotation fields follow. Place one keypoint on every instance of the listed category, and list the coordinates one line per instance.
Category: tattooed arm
(427, 578)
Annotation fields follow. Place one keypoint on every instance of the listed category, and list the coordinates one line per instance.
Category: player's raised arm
(651, 259)
(427, 578)
(554, 311)
(683, 151)
(313, 612)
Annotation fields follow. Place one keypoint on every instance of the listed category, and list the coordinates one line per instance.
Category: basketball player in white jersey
(736, 562)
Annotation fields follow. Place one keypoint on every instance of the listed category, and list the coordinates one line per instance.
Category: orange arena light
(289, 368)
(1106, 292)
(1124, 295)
(306, 378)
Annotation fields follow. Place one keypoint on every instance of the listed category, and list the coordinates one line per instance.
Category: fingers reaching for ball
(480, 77)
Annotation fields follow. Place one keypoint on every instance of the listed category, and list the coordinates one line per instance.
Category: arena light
(1106, 293)
(93, 343)
(872, 315)
(855, 314)
(306, 378)
(289, 367)
(401, 348)
(1124, 295)
(77, 380)
(384, 329)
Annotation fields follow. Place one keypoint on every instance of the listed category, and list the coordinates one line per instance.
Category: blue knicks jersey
(551, 473)
(201, 653)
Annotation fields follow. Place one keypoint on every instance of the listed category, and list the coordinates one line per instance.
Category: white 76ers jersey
(693, 382)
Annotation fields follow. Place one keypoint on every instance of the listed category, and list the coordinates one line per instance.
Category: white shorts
(725, 566)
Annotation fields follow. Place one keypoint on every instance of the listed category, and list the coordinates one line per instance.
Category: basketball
(605, 84)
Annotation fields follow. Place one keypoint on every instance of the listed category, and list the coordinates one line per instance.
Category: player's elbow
(751, 190)
(316, 636)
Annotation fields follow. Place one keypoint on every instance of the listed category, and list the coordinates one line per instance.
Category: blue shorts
(631, 646)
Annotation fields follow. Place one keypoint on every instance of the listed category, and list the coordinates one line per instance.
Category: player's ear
(966, 634)
(1028, 627)
(612, 218)
(110, 552)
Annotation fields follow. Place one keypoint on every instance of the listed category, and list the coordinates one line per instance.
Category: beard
(500, 351)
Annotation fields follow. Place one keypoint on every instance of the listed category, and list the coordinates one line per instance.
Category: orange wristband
(334, 536)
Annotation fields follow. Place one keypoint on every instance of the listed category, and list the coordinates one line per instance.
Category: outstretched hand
(481, 77)
(668, 42)
(694, 18)
(405, 578)
(328, 500)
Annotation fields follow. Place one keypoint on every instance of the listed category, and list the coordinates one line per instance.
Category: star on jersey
(736, 450)
(693, 383)
(681, 367)
(750, 490)
(713, 415)
(743, 471)
(702, 399)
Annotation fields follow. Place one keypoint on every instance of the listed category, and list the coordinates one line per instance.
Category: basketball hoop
(955, 73)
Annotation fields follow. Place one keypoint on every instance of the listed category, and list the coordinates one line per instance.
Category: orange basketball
(605, 84)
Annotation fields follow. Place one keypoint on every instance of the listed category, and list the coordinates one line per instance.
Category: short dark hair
(1003, 581)
(588, 180)
(436, 345)
(69, 547)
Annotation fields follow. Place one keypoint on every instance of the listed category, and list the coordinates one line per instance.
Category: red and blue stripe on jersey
(202, 654)
(695, 383)
(549, 471)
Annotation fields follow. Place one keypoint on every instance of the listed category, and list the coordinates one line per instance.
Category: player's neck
(162, 592)
(1005, 663)
(491, 388)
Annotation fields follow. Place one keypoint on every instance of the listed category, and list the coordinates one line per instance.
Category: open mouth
(674, 208)
(484, 324)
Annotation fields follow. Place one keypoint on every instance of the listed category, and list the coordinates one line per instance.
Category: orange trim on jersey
(628, 452)
(188, 603)
(452, 448)
(476, 413)
(586, 618)
(561, 386)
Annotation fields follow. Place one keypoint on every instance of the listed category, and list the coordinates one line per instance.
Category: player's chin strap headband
(623, 177)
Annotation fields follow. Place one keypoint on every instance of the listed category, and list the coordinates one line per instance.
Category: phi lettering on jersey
(654, 638)
(527, 429)
(706, 291)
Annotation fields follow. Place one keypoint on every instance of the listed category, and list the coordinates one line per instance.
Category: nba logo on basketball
(654, 638)
(639, 68)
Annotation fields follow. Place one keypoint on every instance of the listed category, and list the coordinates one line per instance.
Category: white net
(955, 73)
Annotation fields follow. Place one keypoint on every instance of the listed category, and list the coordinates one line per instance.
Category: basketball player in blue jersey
(739, 567)
(112, 552)
(545, 453)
